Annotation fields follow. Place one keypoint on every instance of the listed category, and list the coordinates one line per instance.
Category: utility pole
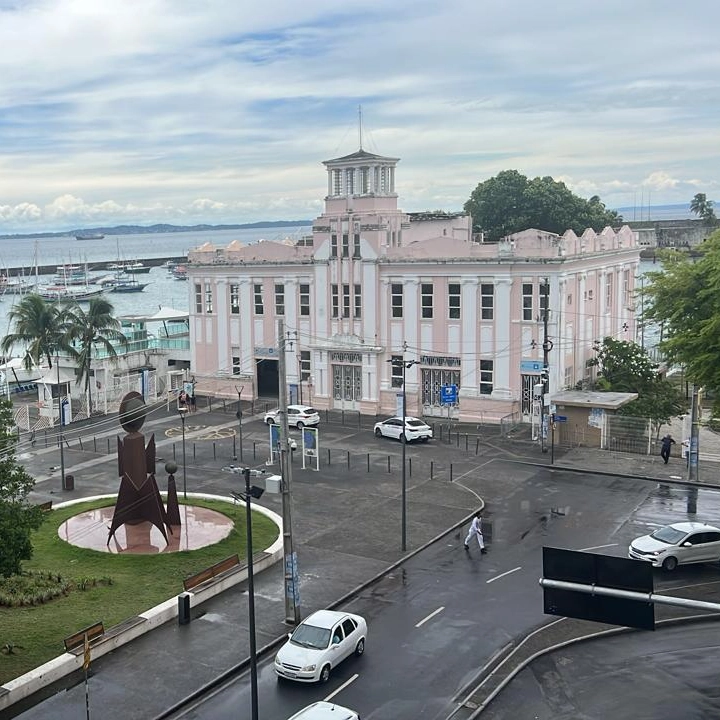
(547, 347)
(292, 598)
(694, 449)
(238, 415)
(60, 415)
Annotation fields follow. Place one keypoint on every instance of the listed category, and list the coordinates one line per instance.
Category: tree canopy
(626, 367)
(17, 517)
(703, 208)
(510, 202)
(685, 300)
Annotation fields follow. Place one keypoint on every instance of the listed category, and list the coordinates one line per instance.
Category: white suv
(325, 711)
(415, 429)
(298, 416)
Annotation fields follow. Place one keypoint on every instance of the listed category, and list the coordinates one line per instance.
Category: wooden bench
(229, 563)
(76, 642)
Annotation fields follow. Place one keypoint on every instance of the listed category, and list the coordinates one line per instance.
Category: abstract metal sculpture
(138, 497)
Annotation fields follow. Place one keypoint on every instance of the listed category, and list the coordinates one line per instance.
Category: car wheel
(325, 674)
(270, 421)
(378, 432)
(669, 563)
(403, 439)
(425, 439)
(300, 425)
(360, 647)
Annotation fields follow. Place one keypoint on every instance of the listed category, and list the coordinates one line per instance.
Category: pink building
(373, 283)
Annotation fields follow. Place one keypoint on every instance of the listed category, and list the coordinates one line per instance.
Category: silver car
(678, 544)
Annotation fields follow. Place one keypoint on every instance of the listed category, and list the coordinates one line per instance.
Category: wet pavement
(345, 524)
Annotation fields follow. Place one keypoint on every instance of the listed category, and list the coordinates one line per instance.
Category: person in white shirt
(476, 531)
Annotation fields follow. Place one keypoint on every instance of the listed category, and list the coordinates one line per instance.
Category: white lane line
(342, 687)
(431, 615)
(497, 577)
(599, 547)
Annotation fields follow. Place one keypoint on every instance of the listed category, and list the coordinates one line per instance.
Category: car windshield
(668, 535)
(415, 423)
(311, 636)
(309, 411)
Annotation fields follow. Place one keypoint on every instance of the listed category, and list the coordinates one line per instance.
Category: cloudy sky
(218, 111)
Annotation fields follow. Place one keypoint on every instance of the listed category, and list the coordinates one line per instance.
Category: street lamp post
(60, 417)
(405, 365)
(181, 412)
(251, 492)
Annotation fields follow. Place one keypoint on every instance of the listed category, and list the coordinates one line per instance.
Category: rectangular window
(358, 301)
(350, 181)
(235, 299)
(335, 301)
(426, 300)
(337, 182)
(364, 187)
(198, 298)
(454, 301)
(544, 298)
(626, 288)
(396, 363)
(208, 298)
(486, 377)
(304, 365)
(258, 300)
(346, 245)
(487, 301)
(279, 299)
(333, 245)
(356, 245)
(396, 299)
(608, 292)
(527, 301)
(236, 361)
(305, 300)
(346, 301)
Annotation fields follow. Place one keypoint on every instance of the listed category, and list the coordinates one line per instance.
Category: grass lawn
(138, 583)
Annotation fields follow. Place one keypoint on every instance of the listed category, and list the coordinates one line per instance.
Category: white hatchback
(678, 544)
(325, 711)
(318, 644)
(415, 429)
(298, 416)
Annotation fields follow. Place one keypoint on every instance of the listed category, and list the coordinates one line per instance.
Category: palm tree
(39, 327)
(87, 329)
(703, 208)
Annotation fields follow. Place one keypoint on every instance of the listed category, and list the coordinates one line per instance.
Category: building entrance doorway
(268, 380)
(347, 386)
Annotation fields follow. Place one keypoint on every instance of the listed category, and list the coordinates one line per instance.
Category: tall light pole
(60, 417)
(181, 412)
(239, 417)
(405, 365)
(251, 492)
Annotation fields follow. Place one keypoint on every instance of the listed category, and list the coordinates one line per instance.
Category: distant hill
(162, 228)
(656, 212)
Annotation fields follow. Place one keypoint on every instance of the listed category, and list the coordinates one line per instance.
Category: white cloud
(166, 110)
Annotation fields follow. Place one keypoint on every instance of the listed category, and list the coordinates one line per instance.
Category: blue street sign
(448, 394)
(561, 418)
(531, 367)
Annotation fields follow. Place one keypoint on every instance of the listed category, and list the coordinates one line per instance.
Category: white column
(501, 365)
(411, 313)
(468, 337)
(222, 313)
(247, 312)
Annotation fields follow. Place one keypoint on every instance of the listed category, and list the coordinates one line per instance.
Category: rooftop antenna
(360, 125)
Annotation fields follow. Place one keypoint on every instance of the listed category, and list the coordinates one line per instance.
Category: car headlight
(309, 668)
(277, 661)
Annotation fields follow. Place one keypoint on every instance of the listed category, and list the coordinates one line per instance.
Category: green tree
(509, 203)
(685, 299)
(626, 367)
(86, 330)
(18, 518)
(703, 208)
(38, 327)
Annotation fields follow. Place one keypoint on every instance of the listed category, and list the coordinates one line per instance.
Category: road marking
(599, 547)
(431, 615)
(685, 587)
(497, 577)
(342, 687)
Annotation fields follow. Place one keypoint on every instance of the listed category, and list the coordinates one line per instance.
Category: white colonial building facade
(373, 283)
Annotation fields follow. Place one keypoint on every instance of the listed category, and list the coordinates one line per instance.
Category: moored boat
(69, 293)
(89, 236)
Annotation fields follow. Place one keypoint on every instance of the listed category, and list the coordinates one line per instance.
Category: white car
(318, 644)
(415, 429)
(325, 711)
(298, 416)
(678, 544)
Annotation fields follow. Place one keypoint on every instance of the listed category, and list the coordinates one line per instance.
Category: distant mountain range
(161, 228)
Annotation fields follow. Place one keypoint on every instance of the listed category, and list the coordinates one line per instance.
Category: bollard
(457, 439)
(214, 451)
(174, 458)
(234, 453)
(193, 451)
(359, 421)
(441, 433)
(108, 446)
(348, 459)
(410, 466)
(388, 463)
(80, 443)
(183, 608)
(477, 446)
(368, 462)
(328, 455)
(432, 468)
(451, 472)
(253, 449)
(466, 442)
(224, 408)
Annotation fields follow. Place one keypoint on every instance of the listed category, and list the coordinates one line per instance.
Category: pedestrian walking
(476, 531)
(667, 442)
